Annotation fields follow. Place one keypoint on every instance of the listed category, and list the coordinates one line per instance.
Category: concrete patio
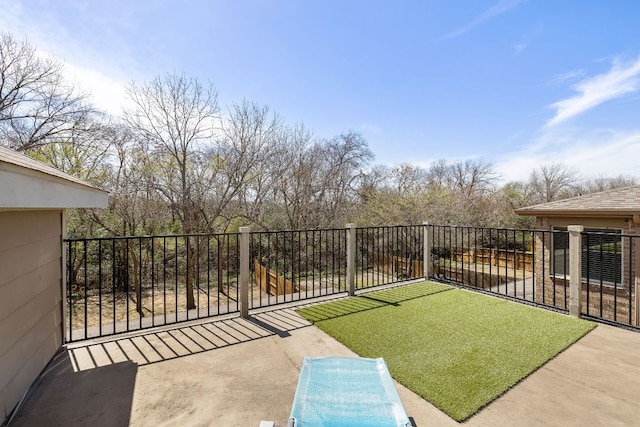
(236, 372)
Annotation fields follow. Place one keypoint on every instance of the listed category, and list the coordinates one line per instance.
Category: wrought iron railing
(123, 284)
(506, 262)
(389, 254)
(295, 265)
(127, 283)
(533, 266)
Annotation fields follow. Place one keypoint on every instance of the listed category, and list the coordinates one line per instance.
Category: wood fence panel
(393, 265)
(272, 283)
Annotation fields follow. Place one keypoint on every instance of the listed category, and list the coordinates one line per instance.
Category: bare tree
(602, 183)
(320, 180)
(408, 179)
(298, 157)
(552, 182)
(248, 160)
(445, 193)
(37, 106)
(135, 205)
(438, 174)
(83, 152)
(346, 158)
(472, 177)
(372, 181)
(174, 117)
(401, 196)
(510, 197)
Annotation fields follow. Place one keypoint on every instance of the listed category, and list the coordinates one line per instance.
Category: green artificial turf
(457, 349)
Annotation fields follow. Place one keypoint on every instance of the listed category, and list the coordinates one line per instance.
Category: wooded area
(176, 161)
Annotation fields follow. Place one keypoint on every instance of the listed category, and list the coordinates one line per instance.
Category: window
(601, 255)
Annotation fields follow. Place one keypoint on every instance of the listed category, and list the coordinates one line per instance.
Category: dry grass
(159, 302)
(156, 303)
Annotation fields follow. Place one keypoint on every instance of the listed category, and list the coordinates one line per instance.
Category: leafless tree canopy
(176, 162)
(552, 182)
(172, 119)
(37, 106)
(319, 179)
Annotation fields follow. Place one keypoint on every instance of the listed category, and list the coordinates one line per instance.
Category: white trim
(24, 189)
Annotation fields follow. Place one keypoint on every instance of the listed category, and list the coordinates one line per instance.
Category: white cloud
(101, 74)
(369, 128)
(526, 40)
(569, 76)
(621, 79)
(518, 48)
(105, 92)
(591, 153)
(498, 8)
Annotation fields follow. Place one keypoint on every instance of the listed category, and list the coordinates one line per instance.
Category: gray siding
(31, 299)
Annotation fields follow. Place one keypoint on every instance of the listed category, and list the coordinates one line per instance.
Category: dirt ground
(161, 302)
(154, 303)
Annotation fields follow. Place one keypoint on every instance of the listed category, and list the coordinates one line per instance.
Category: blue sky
(517, 83)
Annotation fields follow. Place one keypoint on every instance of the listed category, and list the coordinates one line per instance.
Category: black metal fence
(533, 266)
(609, 276)
(123, 284)
(500, 261)
(388, 254)
(295, 265)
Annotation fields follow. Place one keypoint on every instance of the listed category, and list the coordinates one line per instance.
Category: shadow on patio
(236, 372)
(183, 340)
(188, 374)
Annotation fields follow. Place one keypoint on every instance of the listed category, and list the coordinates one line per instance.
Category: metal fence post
(575, 270)
(351, 258)
(426, 256)
(244, 271)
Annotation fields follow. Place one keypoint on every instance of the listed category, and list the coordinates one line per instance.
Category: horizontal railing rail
(513, 263)
(126, 283)
(122, 284)
(533, 266)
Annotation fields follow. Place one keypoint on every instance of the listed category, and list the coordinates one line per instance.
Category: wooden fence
(518, 260)
(272, 283)
(394, 265)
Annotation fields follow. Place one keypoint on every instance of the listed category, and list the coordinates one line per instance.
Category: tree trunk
(137, 284)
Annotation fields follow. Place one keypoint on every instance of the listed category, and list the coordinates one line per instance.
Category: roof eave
(592, 213)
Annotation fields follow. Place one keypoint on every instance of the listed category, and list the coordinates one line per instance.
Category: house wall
(30, 299)
(608, 302)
